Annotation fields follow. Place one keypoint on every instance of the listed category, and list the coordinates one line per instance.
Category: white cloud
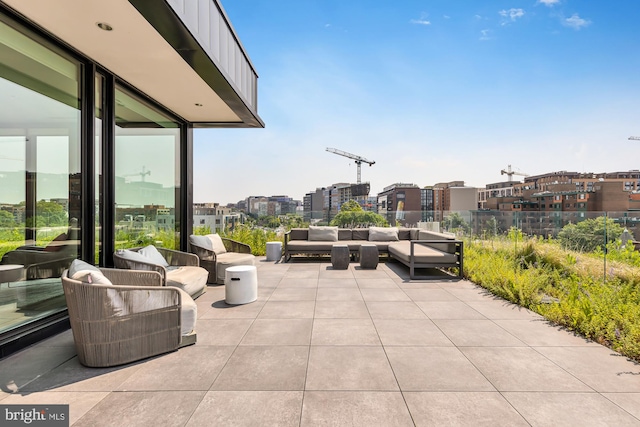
(512, 14)
(576, 22)
(485, 35)
(446, 17)
(549, 3)
(420, 21)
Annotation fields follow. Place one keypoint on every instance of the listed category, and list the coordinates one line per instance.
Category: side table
(369, 255)
(340, 257)
(240, 284)
(274, 251)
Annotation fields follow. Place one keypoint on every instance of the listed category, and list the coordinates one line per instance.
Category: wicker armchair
(132, 319)
(183, 269)
(218, 253)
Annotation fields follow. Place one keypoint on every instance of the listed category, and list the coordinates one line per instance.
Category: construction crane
(357, 159)
(510, 173)
(141, 174)
(634, 138)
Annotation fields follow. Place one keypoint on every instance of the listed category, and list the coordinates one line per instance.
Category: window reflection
(147, 174)
(39, 176)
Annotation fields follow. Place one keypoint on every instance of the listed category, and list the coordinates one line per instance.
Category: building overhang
(183, 54)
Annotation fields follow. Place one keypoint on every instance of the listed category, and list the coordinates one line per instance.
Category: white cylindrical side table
(240, 284)
(274, 251)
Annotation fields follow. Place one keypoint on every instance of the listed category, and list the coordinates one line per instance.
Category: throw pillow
(323, 234)
(130, 255)
(87, 273)
(217, 244)
(202, 241)
(154, 255)
(383, 234)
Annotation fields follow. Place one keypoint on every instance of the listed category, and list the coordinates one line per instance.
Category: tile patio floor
(322, 347)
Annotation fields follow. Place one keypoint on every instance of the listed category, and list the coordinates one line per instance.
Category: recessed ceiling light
(104, 26)
(197, 104)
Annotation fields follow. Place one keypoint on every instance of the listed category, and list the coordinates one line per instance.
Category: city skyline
(431, 91)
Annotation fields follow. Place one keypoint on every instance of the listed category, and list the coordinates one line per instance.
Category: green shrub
(606, 311)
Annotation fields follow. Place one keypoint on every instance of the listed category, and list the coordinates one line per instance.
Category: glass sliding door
(40, 180)
(147, 174)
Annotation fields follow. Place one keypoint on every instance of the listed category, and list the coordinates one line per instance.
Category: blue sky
(432, 91)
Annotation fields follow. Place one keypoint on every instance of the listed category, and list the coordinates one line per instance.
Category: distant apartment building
(337, 194)
(217, 218)
(543, 204)
(445, 197)
(313, 205)
(401, 204)
(270, 206)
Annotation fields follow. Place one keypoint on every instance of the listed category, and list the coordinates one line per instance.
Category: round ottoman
(369, 255)
(240, 284)
(340, 257)
(274, 251)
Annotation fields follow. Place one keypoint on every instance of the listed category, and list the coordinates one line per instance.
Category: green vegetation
(257, 238)
(566, 287)
(352, 215)
(589, 235)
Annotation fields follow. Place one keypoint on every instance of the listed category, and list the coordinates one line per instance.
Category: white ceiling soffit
(133, 50)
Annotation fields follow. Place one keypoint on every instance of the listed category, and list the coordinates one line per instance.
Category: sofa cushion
(404, 233)
(201, 241)
(191, 279)
(344, 234)
(217, 244)
(299, 234)
(323, 234)
(423, 254)
(154, 256)
(383, 234)
(432, 235)
(229, 260)
(141, 300)
(133, 256)
(360, 234)
(87, 273)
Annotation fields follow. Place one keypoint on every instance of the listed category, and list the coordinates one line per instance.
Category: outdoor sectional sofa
(415, 248)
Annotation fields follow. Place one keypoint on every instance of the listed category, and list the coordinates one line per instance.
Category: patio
(345, 347)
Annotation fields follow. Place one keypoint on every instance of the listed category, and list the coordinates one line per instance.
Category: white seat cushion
(188, 314)
(230, 259)
(190, 279)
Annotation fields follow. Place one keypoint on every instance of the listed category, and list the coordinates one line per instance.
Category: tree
(455, 222)
(352, 215)
(589, 235)
(6, 219)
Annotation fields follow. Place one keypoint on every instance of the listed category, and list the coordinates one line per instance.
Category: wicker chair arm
(174, 257)
(235, 246)
(133, 277)
(203, 254)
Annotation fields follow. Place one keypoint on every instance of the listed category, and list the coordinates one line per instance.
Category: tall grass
(257, 238)
(568, 288)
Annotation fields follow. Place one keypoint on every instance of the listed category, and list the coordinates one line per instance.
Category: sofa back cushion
(154, 255)
(404, 233)
(360, 233)
(323, 234)
(217, 244)
(56, 244)
(299, 234)
(345, 234)
(432, 235)
(383, 234)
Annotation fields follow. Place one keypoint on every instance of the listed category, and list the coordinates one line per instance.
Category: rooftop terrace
(345, 347)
